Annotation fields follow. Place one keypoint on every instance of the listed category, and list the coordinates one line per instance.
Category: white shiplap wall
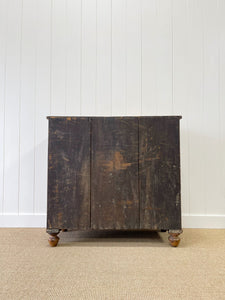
(111, 57)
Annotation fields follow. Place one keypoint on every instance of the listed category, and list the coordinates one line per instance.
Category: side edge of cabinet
(68, 205)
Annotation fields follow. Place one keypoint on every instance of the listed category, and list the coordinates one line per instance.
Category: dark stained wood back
(69, 173)
(114, 173)
(159, 173)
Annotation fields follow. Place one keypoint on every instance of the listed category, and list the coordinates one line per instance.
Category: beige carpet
(112, 266)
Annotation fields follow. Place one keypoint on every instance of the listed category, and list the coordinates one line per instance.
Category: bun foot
(174, 238)
(53, 240)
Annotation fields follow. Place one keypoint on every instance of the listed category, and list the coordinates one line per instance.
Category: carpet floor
(112, 265)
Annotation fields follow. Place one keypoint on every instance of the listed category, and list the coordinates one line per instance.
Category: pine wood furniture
(120, 173)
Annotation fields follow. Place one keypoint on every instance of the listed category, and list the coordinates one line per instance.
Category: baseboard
(203, 221)
(23, 220)
(39, 221)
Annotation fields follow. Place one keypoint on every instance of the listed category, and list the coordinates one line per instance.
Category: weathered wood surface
(69, 173)
(159, 173)
(114, 173)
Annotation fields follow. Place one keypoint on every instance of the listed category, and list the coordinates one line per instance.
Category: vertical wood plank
(69, 173)
(104, 71)
(119, 48)
(114, 173)
(42, 107)
(159, 173)
(88, 60)
(3, 40)
(149, 57)
(58, 53)
(27, 107)
(73, 57)
(133, 58)
(12, 107)
(181, 101)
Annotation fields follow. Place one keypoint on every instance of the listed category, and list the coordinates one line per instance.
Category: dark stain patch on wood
(117, 163)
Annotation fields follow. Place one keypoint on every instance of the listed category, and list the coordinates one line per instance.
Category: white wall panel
(221, 85)
(43, 102)
(180, 89)
(88, 57)
(195, 109)
(3, 28)
(111, 57)
(211, 107)
(103, 58)
(58, 57)
(119, 62)
(133, 58)
(27, 106)
(73, 56)
(12, 107)
(164, 58)
(149, 51)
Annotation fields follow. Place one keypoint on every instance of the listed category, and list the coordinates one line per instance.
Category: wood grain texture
(159, 173)
(114, 173)
(69, 173)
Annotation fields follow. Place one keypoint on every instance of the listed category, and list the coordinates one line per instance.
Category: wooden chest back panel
(114, 173)
(159, 173)
(69, 173)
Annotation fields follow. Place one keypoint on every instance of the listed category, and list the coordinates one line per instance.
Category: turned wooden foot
(53, 238)
(174, 238)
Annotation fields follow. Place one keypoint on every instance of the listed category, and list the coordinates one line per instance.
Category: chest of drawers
(118, 173)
